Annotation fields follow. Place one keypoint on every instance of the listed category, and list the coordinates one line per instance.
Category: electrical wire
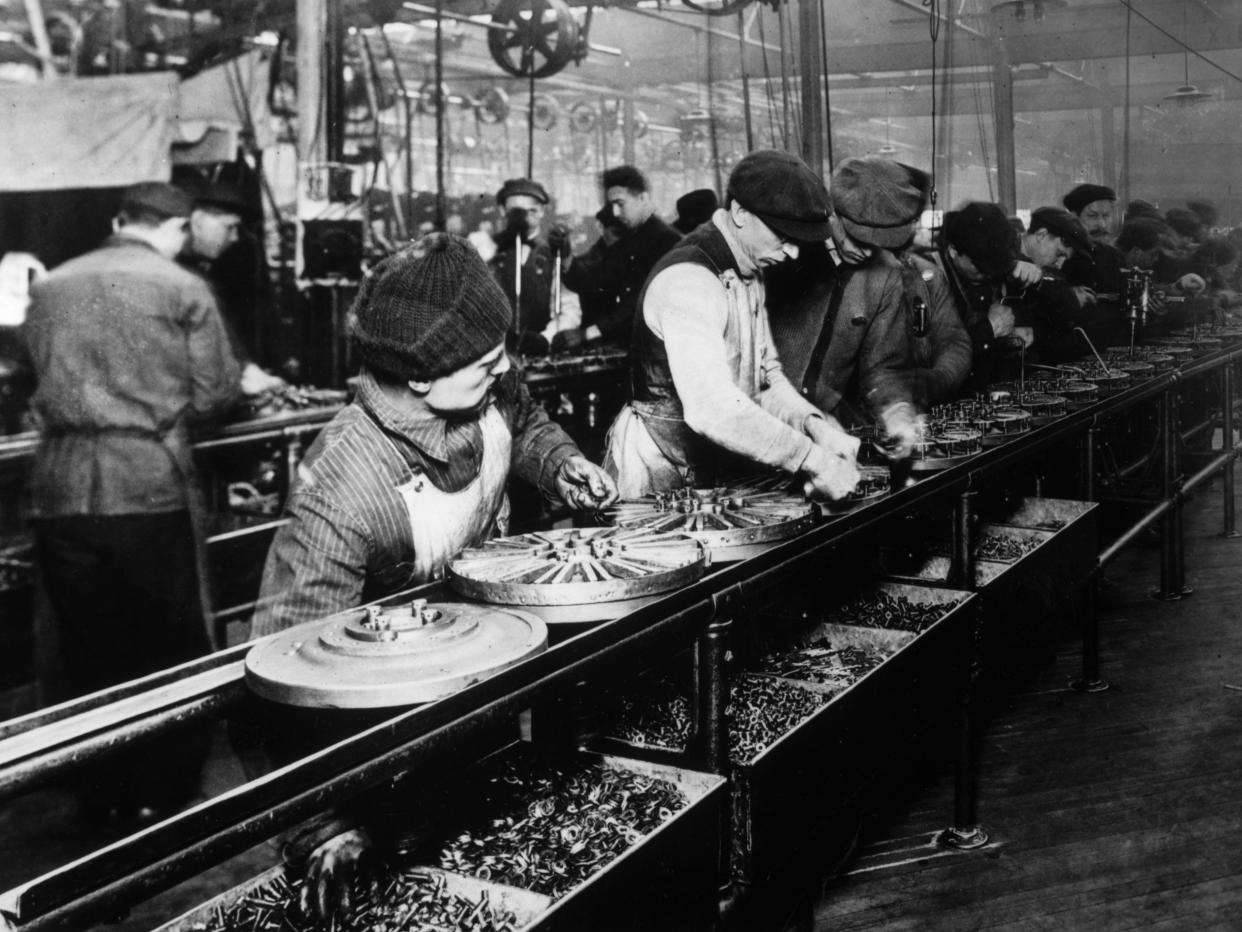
(767, 84)
(741, 49)
(933, 32)
(823, 47)
(780, 22)
(1160, 29)
(1125, 120)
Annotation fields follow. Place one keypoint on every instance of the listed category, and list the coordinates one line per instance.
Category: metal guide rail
(421, 740)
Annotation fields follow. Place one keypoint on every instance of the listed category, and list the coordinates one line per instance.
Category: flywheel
(533, 38)
(394, 655)
(580, 574)
(734, 522)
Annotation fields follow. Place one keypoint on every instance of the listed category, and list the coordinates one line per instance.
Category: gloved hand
(1191, 284)
(529, 343)
(1028, 273)
(584, 486)
(828, 475)
(558, 239)
(565, 340)
(333, 872)
(901, 430)
(1000, 316)
(826, 431)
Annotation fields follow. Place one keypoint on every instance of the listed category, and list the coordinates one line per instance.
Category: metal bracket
(728, 603)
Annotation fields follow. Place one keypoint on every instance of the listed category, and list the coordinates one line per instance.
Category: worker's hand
(584, 486)
(335, 870)
(1028, 273)
(1025, 334)
(1000, 316)
(255, 381)
(901, 430)
(1084, 295)
(564, 341)
(559, 240)
(827, 433)
(1191, 284)
(828, 475)
(529, 343)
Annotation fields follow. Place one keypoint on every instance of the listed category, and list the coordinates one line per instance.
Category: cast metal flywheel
(394, 655)
(578, 574)
(734, 522)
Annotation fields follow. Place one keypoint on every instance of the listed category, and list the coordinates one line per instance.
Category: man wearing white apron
(414, 470)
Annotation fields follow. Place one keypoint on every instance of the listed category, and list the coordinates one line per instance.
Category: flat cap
(225, 197)
(981, 231)
(1078, 199)
(515, 186)
(782, 191)
(157, 197)
(1063, 224)
(879, 201)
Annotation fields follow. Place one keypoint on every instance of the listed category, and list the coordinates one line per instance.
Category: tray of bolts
(733, 522)
(997, 423)
(523, 841)
(578, 575)
(825, 692)
(1029, 557)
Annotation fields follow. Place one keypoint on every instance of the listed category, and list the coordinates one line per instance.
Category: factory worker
(414, 470)
(709, 398)
(841, 327)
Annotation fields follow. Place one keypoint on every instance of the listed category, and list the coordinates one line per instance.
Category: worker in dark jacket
(1051, 306)
(940, 353)
(127, 349)
(1097, 274)
(414, 470)
(839, 323)
(615, 275)
(522, 203)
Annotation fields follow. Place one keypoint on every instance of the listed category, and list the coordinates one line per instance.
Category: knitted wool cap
(879, 201)
(429, 310)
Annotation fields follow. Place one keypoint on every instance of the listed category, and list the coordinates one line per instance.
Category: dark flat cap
(1186, 222)
(782, 191)
(879, 201)
(982, 233)
(1077, 200)
(225, 197)
(1142, 233)
(516, 186)
(1063, 224)
(1141, 208)
(695, 208)
(156, 197)
(1206, 212)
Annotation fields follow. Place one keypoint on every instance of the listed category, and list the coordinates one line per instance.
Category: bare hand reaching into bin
(343, 864)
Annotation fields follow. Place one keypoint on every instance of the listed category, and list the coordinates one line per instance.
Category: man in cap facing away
(127, 348)
(840, 321)
(415, 468)
(708, 396)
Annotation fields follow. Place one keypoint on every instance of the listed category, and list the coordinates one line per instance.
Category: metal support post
(1168, 457)
(1226, 425)
(966, 833)
(712, 694)
(1089, 445)
(1091, 681)
(962, 570)
(1178, 544)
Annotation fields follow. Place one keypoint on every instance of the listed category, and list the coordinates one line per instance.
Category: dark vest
(652, 392)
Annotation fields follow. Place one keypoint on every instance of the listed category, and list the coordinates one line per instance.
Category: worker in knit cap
(414, 470)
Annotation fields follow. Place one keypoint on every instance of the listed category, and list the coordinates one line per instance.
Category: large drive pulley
(534, 38)
(734, 522)
(578, 575)
(394, 655)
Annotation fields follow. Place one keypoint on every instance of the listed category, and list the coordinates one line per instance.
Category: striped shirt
(349, 539)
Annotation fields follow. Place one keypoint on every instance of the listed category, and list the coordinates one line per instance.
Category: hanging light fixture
(1188, 93)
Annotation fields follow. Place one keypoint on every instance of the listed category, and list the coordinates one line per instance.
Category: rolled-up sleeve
(540, 445)
(686, 306)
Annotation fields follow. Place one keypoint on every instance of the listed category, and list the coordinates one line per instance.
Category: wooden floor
(1116, 810)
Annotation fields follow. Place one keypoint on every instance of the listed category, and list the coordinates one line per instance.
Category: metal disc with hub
(578, 575)
(734, 522)
(392, 655)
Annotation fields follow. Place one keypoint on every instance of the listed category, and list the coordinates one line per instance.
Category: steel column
(1168, 458)
(962, 570)
(1226, 426)
(966, 833)
(1178, 543)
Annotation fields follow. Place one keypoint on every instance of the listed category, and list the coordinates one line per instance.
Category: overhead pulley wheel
(538, 38)
(492, 106)
(640, 124)
(583, 117)
(734, 522)
(394, 655)
(578, 575)
(546, 112)
(427, 100)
